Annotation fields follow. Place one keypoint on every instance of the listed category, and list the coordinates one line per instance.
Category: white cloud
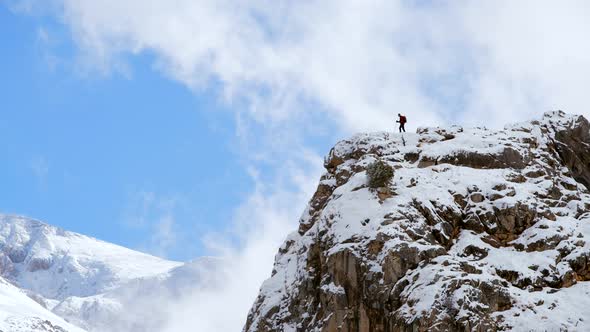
(248, 248)
(529, 56)
(359, 62)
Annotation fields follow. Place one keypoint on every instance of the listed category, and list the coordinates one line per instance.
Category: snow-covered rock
(478, 230)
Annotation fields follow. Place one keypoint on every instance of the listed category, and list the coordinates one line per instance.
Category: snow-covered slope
(478, 230)
(93, 284)
(56, 264)
(19, 313)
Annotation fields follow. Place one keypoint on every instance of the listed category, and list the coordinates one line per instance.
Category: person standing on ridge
(402, 122)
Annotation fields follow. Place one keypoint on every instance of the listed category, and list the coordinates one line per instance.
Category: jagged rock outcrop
(479, 230)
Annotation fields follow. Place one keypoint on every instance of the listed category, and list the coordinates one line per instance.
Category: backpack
(402, 119)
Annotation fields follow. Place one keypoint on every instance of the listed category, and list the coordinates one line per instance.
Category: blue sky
(80, 151)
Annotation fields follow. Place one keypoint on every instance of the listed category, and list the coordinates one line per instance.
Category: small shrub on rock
(379, 174)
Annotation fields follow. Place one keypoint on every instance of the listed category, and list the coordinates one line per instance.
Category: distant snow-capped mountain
(57, 264)
(95, 285)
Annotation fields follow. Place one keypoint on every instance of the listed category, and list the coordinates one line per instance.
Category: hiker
(402, 122)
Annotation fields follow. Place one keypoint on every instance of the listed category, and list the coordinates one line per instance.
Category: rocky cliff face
(478, 230)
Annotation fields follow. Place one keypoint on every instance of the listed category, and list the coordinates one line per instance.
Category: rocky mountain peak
(478, 230)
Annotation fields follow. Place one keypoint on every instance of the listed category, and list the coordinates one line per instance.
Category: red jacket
(402, 119)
